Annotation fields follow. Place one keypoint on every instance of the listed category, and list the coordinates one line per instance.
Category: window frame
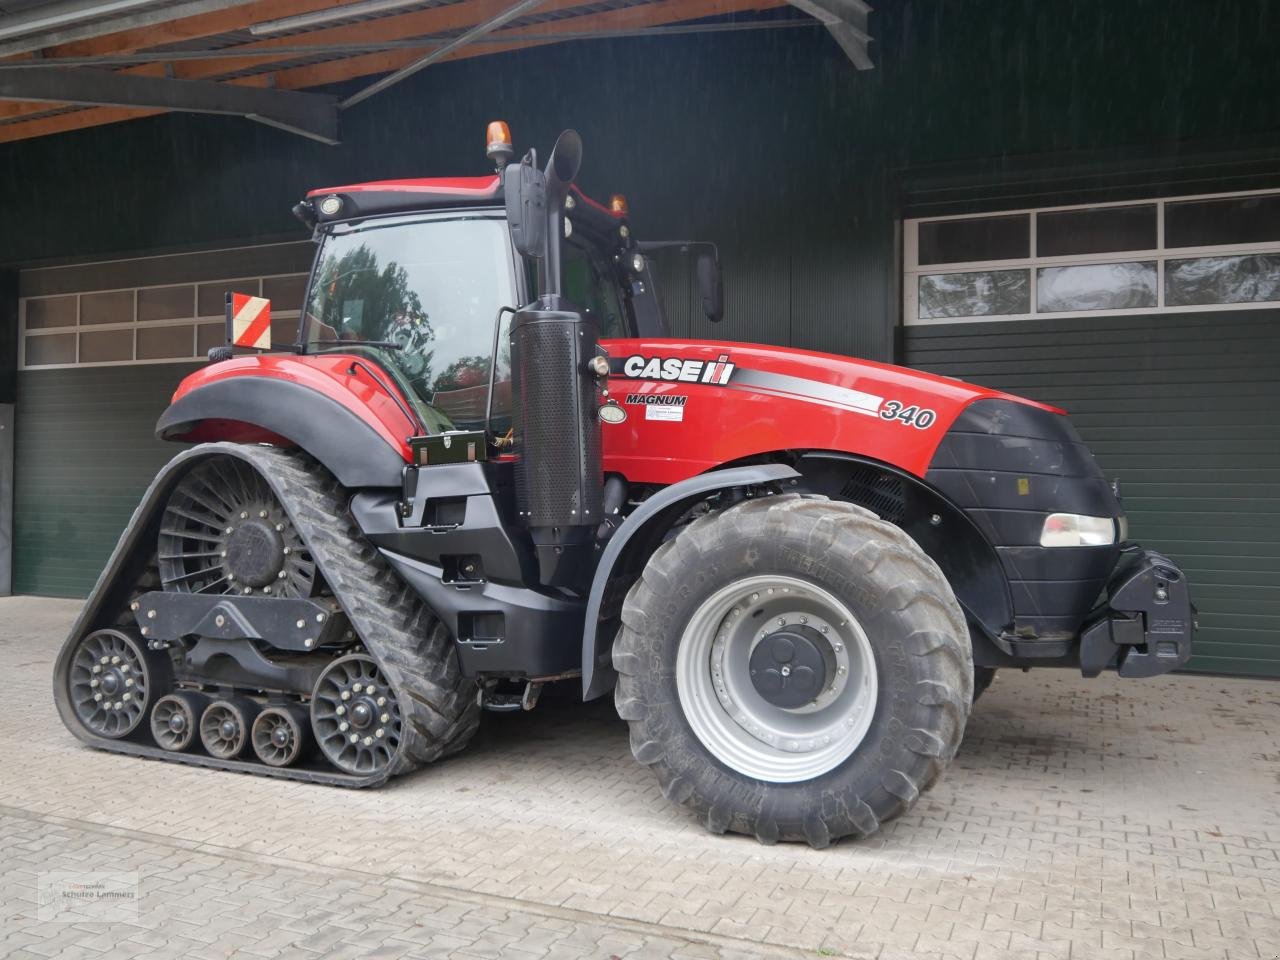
(195, 321)
(912, 269)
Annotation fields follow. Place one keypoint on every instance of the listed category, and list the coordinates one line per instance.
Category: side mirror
(711, 286)
(525, 188)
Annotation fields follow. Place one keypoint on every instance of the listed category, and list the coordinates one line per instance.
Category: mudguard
(347, 446)
(637, 537)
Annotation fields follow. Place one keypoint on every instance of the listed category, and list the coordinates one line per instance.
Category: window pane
(982, 238)
(1203, 223)
(208, 336)
(1069, 233)
(284, 332)
(1096, 286)
(166, 303)
(105, 345)
(212, 297)
(985, 294)
(115, 307)
(56, 348)
(285, 293)
(162, 343)
(1245, 279)
(51, 312)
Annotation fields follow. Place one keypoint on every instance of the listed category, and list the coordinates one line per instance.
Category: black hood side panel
(1009, 465)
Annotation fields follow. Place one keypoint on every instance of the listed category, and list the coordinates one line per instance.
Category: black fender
(348, 447)
(941, 528)
(634, 542)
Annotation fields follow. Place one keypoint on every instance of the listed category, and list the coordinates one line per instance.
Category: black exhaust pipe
(559, 486)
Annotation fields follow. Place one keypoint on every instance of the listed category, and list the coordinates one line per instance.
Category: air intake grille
(881, 493)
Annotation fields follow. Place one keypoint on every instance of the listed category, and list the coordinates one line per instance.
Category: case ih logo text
(675, 369)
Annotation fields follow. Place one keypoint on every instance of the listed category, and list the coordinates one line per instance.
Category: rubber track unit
(938, 643)
(440, 708)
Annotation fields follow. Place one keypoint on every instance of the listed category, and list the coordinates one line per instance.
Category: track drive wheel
(109, 683)
(281, 735)
(793, 668)
(224, 727)
(175, 719)
(355, 716)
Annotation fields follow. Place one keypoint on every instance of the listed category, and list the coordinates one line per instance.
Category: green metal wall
(1182, 409)
(85, 451)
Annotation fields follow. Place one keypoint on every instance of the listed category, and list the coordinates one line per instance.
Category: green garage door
(102, 347)
(1185, 410)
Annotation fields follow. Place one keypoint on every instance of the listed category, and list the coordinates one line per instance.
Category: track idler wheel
(175, 719)
(109, 683)
(281, 734)
(355, 716)
(224, 727)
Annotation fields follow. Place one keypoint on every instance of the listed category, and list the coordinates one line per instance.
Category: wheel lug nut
(804, 619)
(839, 647)
(344, 726)
(244, 515)
(300, 624)
(357, 687)
(346, 694)
(119, 705)
(115, 659)
(262, 514)
(230, 530)
(281, 575)
(97, 697)
(825, 628)
(288, 550)
(782, 621)
(341, 710)
(128, 683)
(382, 701)
(135, 605)
(378, 733)
(93, 682)
(97, 668)
(105, 660)
(279, 528)
(368, 741)
(369, 689)
(355, 738)
(385, 718)
(127, 696)
(755, 596)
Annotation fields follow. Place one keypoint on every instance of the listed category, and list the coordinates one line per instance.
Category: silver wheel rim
(729, 715)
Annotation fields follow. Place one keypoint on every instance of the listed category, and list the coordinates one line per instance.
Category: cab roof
(408, 196)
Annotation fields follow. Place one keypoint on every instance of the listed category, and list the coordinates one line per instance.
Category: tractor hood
(681, 407)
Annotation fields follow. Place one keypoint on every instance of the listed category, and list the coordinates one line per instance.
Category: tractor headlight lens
(1073, 530)
(637, 263)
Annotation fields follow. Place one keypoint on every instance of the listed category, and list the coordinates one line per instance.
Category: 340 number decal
(912, 416)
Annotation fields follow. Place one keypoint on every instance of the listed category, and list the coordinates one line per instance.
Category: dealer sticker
(664, 413)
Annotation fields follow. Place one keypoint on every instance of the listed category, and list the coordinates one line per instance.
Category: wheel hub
(788, 668)
(362, 714)
(255, 552)
(228, 729)
(177, 723)
(280, 736)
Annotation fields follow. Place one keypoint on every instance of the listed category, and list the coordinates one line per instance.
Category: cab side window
(589, 283)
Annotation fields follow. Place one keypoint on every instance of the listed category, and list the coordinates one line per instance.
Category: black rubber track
(413, 648)
(916, 628)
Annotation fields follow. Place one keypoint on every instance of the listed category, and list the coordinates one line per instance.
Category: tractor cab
(424, 277)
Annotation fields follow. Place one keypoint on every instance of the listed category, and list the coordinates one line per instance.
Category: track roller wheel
(175, 719)
(356, 716)
(224, 727)
(280, 735)
(109, 683)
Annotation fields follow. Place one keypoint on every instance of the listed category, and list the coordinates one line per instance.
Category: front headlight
(1073, 530)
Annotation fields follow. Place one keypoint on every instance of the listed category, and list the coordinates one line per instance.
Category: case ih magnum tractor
(486, 466)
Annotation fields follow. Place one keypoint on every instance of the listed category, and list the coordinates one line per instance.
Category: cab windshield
(421, 295)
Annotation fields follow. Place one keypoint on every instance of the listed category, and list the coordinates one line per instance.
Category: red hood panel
(690, 406)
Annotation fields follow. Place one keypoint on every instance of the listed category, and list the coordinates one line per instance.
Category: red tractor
(485, 466)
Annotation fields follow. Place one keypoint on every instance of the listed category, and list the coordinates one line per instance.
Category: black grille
(880, 493)
(558, 476)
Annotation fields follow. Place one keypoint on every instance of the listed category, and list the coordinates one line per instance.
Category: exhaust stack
(559, 485)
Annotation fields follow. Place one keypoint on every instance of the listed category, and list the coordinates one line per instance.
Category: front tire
(793, 669)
